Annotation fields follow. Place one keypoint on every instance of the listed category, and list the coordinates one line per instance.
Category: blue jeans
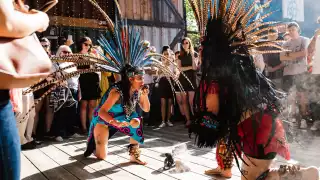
(9, 144)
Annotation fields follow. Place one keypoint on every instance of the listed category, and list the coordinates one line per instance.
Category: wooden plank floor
(64, 161)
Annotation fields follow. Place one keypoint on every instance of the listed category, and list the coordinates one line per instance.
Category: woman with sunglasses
(187, 64)
(89, 87)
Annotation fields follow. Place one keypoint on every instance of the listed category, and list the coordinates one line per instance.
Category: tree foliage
(191, 25)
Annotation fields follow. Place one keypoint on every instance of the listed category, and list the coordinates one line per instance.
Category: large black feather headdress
(229, 39)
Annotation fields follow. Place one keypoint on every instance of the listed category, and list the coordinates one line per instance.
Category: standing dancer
(238, 105)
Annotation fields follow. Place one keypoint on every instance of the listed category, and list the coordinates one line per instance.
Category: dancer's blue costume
(118, 113)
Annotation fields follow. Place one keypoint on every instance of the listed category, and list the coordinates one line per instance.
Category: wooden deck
(57, 161)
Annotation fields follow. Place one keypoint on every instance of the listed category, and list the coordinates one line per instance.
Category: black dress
(165, 88)
(89, 85)
(186, 60)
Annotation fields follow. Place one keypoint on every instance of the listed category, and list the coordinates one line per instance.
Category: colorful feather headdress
(124, 51)
(237, 25)
(229, 38)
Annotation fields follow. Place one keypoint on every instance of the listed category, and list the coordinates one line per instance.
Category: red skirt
(257, 144)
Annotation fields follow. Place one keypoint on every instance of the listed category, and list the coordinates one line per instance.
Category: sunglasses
(87, 44)
(186, 42)
(45, 46)
(66, 52)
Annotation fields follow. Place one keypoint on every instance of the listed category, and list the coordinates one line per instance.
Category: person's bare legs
(83, 114)
(101, 136)
(255, 169)
(169, 109)
(37, 114)
(179, 101)
(191, 97)
(185, 106)
(92, 105)
(303, 103)
(134, 152)
(163, 110)
(224, 159)
(49, 116)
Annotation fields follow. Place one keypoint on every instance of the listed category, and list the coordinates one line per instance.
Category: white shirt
(316, 60)
(73, 82)
(299, 65)
(148, 79)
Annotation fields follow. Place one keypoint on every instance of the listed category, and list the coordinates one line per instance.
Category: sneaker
(28, 146)
(169, 124)
(315, 126)
(304, 124)
(163, 124)
(76, 135)
(59, 139)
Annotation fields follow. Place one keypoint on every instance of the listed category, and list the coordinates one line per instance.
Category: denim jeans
(9, 144)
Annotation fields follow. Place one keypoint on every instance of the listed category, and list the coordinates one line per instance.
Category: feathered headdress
(126, 54)
(229, 38)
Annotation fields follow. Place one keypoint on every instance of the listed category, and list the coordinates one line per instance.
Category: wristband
(111, 121)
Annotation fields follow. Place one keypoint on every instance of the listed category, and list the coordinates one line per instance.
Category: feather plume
(230, 37)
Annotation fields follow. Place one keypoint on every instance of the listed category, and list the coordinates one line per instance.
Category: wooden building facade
(162, 22)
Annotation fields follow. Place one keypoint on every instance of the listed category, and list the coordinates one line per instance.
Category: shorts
(295, 82)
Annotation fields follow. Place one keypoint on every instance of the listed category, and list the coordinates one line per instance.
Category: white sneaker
(59, 139)
(304, 124)
(169, 124)
(315, 126)
(76, 135)
(163, 124)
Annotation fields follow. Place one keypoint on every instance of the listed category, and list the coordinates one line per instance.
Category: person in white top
(295, 71)
(314, 84)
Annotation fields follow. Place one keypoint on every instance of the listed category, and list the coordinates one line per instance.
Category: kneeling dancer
(237, 105)
(127, 56)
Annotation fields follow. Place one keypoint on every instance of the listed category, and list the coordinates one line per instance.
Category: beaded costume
(247, 122)
(127, 55)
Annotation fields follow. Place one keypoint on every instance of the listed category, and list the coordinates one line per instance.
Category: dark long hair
(182, 50)
(81, 41)
(125, 83)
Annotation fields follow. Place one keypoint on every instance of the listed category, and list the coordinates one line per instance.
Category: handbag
(23, 61)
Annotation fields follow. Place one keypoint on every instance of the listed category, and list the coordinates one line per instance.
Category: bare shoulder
(114, 93)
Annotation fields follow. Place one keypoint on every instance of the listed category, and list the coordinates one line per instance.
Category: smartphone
(47, 6)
